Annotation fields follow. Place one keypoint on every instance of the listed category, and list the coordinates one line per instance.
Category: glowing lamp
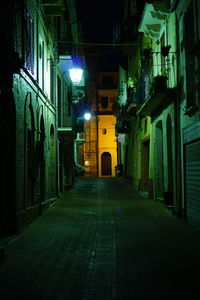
(87, 116)
(76, 74)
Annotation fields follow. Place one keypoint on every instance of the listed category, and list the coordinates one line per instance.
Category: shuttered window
(29, 43)
(190, 59)
(192, 182)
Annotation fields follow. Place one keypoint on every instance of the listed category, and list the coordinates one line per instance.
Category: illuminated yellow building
(100, 148)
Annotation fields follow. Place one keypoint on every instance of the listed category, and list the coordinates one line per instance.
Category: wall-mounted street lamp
(76, 71)
(87, 116)
(76, 74)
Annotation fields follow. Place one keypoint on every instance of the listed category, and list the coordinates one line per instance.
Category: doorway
(145, 166)
(42, 189)
(159, 184)
(170, 175)
(8, 225)
(106, 164)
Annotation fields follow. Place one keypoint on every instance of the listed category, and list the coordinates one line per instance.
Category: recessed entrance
(106, 164)
(159, 161)
(145, 166)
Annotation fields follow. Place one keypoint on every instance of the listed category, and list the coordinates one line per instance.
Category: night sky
(97, 19)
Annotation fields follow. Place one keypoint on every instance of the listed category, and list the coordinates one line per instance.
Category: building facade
(188, 30)
(158, 104)
(100, 152)
(35, 101)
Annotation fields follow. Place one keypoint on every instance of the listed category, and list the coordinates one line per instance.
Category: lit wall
(107, 140)
(90, 148)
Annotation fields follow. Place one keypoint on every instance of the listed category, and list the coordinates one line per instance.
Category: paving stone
(102, 240)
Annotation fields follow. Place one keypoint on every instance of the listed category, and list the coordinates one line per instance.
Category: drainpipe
(97, 126)
(173, 6)
(178, 206)
(97, 132)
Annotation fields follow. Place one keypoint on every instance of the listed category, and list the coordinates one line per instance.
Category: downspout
(178, 205)
(97, 133)
(173, 6)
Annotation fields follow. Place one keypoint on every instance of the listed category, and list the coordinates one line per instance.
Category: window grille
(29, 43)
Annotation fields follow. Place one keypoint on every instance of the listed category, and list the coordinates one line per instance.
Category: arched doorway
(106, 164)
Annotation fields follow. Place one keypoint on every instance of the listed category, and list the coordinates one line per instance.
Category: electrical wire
(101, 44)
(103, 52)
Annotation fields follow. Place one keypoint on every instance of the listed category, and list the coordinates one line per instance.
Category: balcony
(53, 7)
(152, 20)
(122, 127)
(123, 122)
(158, 101)
(142, 91)
(162, 5)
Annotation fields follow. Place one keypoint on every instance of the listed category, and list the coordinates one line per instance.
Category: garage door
(192, 182)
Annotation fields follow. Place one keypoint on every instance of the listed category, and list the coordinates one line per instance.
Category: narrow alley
(101, 240)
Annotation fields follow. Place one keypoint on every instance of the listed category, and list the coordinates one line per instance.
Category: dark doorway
(7, 163)
(61, 163)
(29, 158)
(42, 165)
(52, 165)
(106, 164)
(159, 184)
(145, 166)
(170, 188)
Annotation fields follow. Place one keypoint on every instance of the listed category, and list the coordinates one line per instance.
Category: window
(59, 99)
(163, 66)
(107, 80)
(29, 43)
(41, 64)
(104, 102)
(190, 59)
(52, 81)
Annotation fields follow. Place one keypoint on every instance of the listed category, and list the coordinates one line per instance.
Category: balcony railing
(122, 126)
(123, 123)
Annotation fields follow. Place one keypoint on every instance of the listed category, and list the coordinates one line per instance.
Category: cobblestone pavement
(102, 240)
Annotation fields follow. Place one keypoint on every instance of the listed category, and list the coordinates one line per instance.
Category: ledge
(151, 21)
(157, 102)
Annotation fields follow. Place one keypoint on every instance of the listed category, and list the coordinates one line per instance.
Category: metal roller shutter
(192, 182)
